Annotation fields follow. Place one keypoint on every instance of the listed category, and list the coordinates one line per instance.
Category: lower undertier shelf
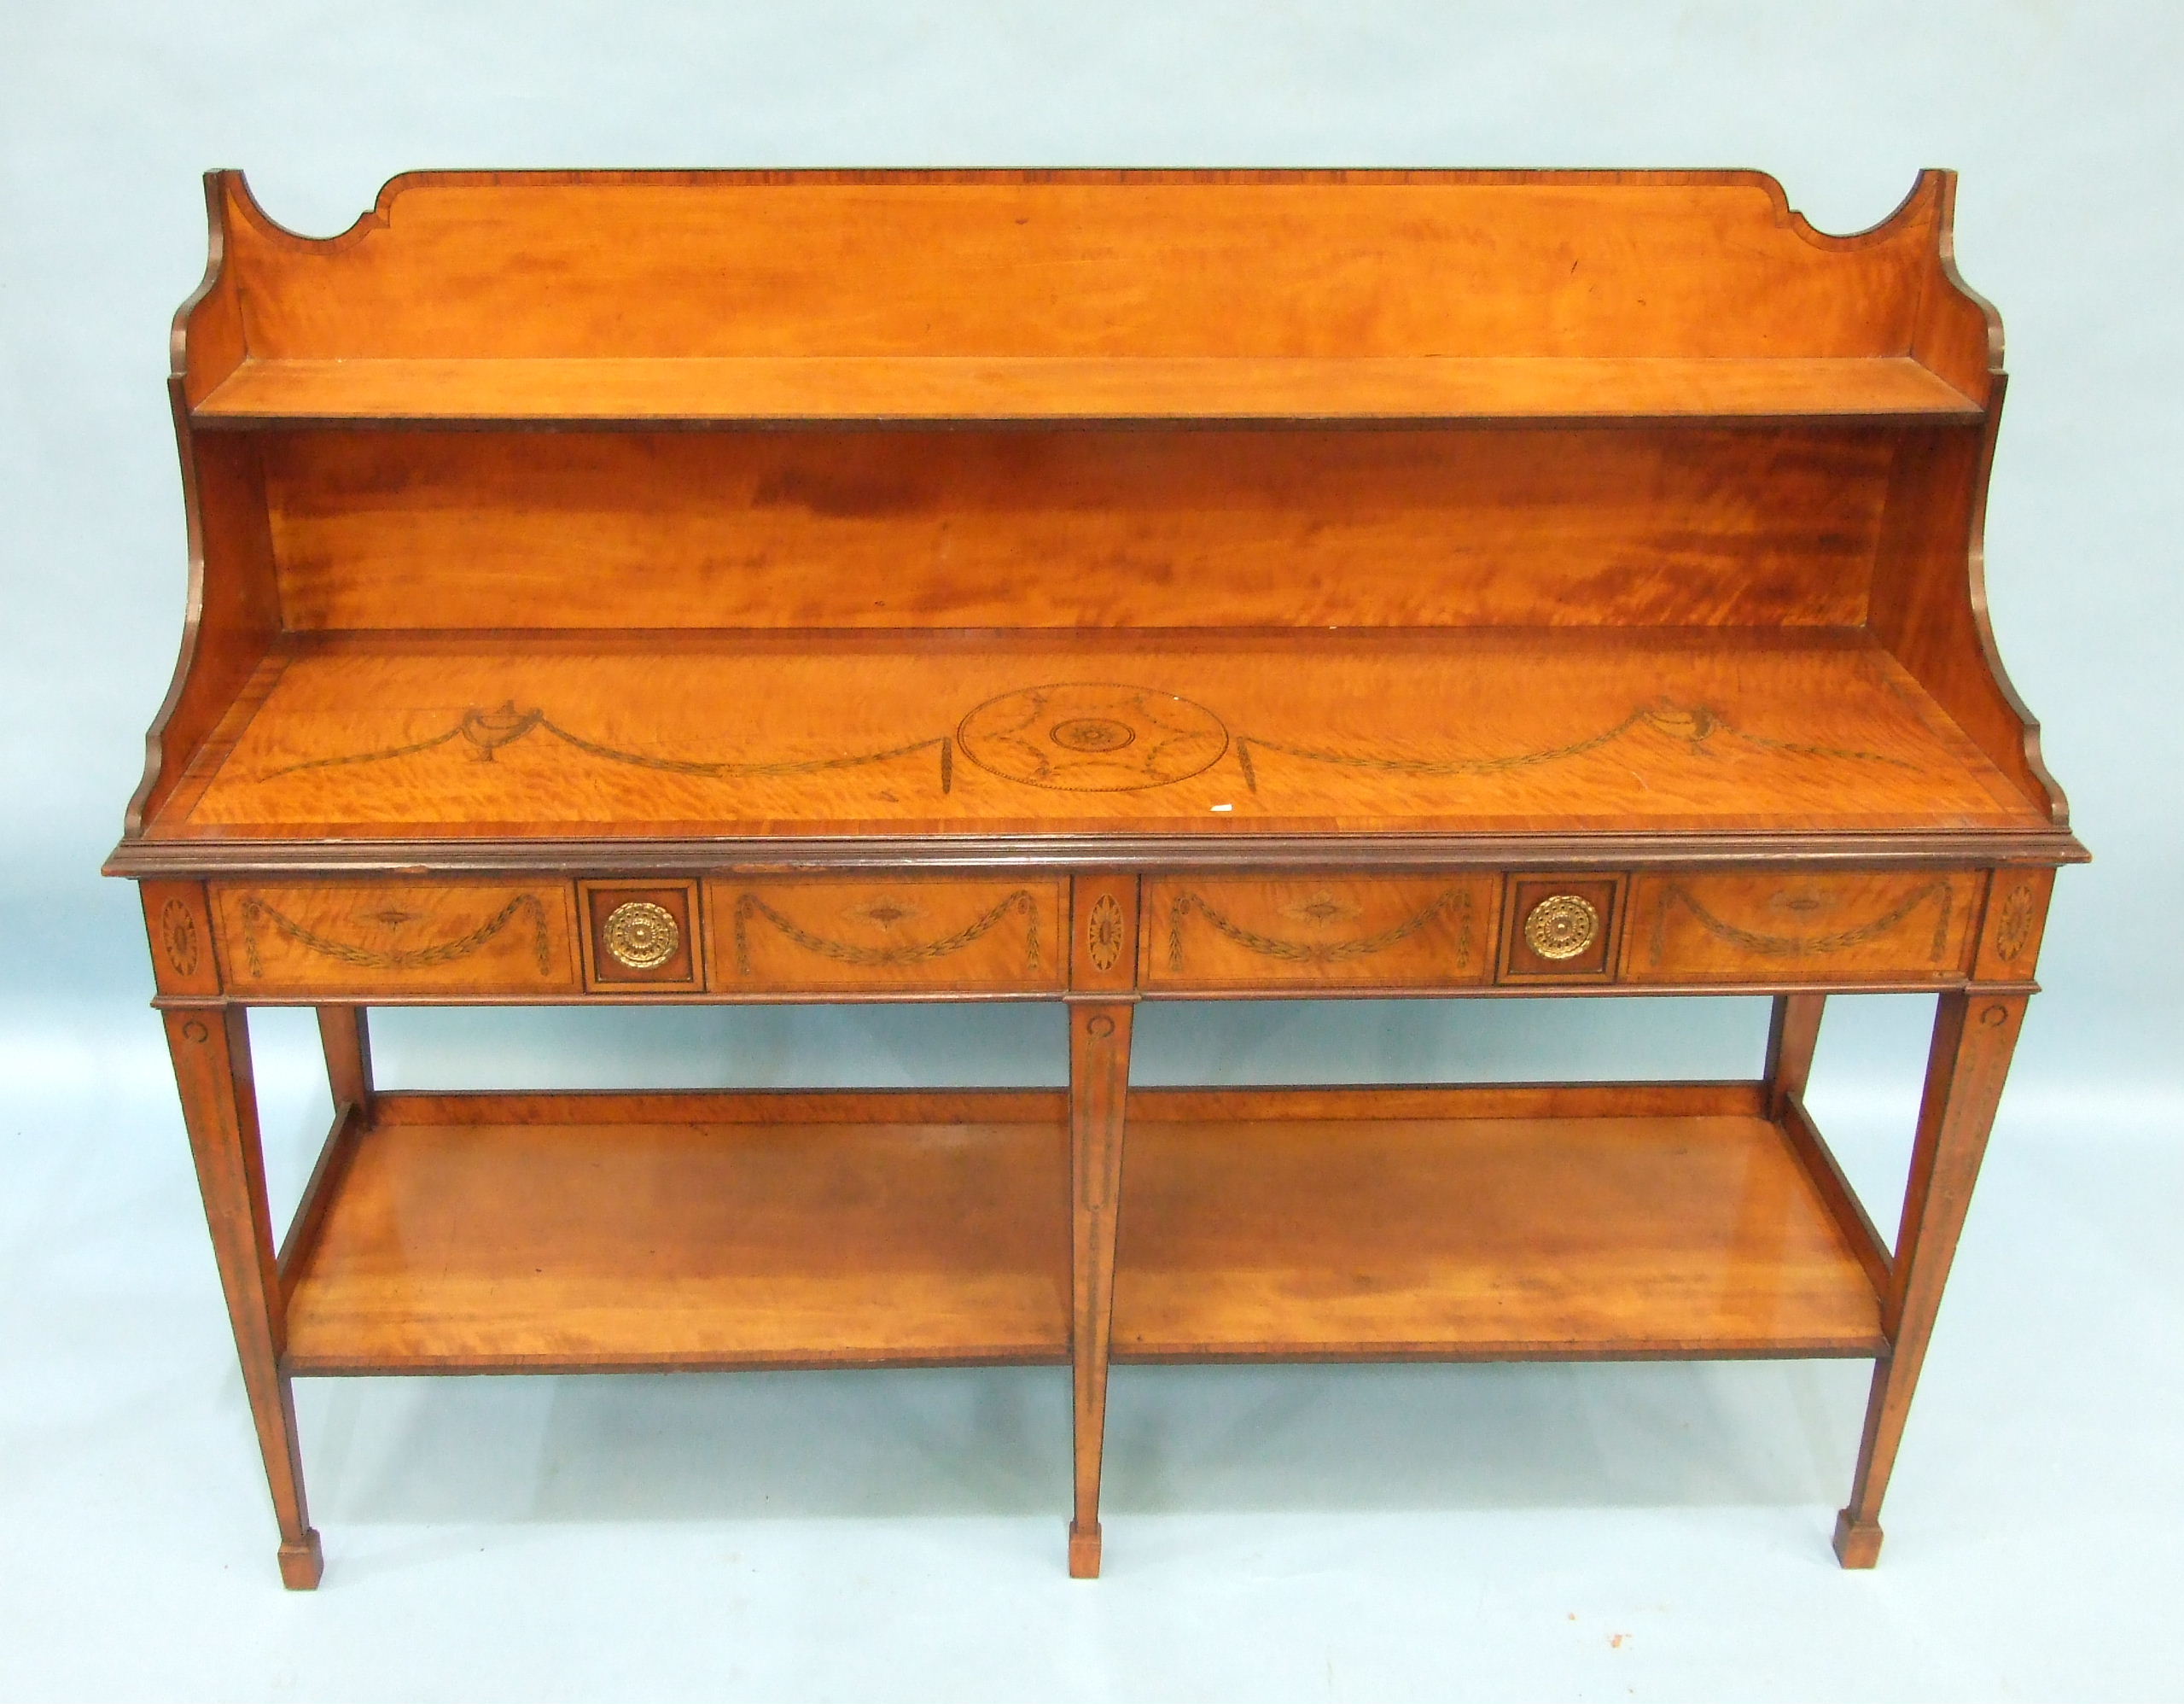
(535, 1232)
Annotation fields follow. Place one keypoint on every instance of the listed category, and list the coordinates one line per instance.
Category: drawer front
(1388, 932)
(328, 939)
(1915, 926)
(942, 934)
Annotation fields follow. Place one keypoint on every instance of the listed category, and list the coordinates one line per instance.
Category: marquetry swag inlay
(1772, 945)
(257, 914)
(1455, 901)
(750, 908)
(1078, 737)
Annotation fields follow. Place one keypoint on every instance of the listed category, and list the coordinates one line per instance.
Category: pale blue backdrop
(1378, 1534)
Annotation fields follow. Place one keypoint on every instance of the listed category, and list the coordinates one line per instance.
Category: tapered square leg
(1857, 1543)
(1084, 1552)
(1099, 1080)
(1974, 1036)
(344, 1034)
(211, 1049)
(301, 1565)
(1792, 1036)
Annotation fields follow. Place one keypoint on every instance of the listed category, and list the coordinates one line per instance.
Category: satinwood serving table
(1097, 587)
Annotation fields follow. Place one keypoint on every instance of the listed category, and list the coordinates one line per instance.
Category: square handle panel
(640, 935)
(1562, 929)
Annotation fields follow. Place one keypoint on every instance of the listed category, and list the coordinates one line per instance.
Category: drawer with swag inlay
(1762, 926)
(396, 939)
(930, 935)
(1206, 932)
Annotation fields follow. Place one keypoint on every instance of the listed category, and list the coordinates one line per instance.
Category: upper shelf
(989, 297)
(878, 389)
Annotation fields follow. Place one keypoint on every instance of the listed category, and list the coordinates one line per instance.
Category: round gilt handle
(1561, 926)
(642, 935)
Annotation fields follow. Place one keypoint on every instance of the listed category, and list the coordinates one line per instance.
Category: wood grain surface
(950, 389)
(509, 1230)
(333, 939)
(1482, 1223)
(939, 934)
(524, 265)
(1319, 931)
(1083, 584)
(1602, 526)
(530, 1231)
(805, 734)
(1772, 926)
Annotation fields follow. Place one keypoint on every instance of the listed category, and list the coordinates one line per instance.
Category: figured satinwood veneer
(840, 734)
(879, 390)
(1898, 927)
(529, 1231)
(951, 934)
(284, 940)
(1493, 1224)
(1319, 932)
(1185, 526)
(1099, 588)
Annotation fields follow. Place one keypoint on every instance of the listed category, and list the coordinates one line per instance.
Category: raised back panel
(1332, 263)
(1744, 526)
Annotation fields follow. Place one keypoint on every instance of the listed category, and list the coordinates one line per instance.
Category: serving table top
(789, 735)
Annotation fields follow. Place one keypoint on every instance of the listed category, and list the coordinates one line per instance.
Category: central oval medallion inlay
(1090, 737)
(1091, 733)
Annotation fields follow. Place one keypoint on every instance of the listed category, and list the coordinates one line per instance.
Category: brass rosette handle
(642, 935)
(1561, 926)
